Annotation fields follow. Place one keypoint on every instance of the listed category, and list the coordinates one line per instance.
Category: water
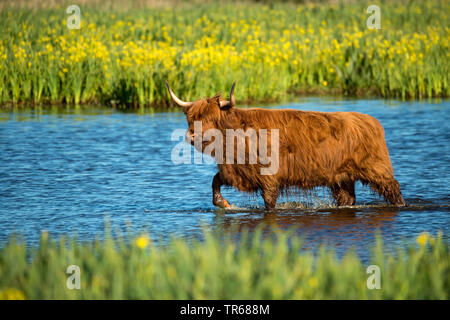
(66, 170)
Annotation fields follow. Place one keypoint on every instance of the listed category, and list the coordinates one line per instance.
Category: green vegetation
(123, 56)
(220, 268)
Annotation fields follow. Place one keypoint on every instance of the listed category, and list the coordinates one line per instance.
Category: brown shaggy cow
(332, 149)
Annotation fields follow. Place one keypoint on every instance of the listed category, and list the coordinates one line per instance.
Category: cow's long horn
(179, 102)
(229, 104)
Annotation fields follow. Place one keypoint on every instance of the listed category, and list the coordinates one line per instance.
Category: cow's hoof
(222, 203)
(401, 205)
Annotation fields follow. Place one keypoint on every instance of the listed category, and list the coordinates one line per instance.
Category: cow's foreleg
(344, 194)
(270, 196)
(218, 200)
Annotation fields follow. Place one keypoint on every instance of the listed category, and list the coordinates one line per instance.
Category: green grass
(218, 268)
(122, 57)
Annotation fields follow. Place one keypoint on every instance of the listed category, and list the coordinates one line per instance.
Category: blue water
(66, 170)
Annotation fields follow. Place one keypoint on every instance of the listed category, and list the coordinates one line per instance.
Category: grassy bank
(123, 56)
(216, 269)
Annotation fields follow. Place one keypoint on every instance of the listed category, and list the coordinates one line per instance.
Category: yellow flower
(11, 294)
(313, 283)
(142, 241)
(422, 239)
(325, 83)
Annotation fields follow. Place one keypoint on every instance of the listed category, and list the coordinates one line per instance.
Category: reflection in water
(338, 219)
(337, 227)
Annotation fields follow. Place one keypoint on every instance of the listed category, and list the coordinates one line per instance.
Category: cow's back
(315, 148)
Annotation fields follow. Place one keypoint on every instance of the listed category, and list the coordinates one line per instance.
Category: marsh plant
(122, 57)
(260, 266)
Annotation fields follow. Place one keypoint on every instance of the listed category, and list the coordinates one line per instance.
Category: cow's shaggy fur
(332, 149)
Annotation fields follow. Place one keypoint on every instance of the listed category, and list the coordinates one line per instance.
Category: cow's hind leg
(218, 200)
(344, 193)
(270, 196)
(390, 190)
